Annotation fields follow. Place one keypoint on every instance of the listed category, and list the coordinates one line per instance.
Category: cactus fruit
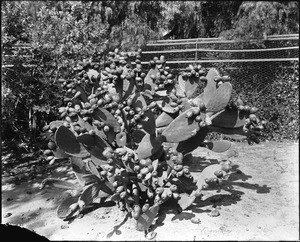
(116, 125)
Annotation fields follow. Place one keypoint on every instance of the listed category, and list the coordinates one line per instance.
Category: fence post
(196, 57)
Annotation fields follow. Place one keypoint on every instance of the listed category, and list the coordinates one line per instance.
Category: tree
(192, 19)
(258, 19)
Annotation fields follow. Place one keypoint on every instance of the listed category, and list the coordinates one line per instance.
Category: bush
(127, 134)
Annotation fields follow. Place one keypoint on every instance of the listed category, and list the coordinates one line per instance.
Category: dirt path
(264, 204)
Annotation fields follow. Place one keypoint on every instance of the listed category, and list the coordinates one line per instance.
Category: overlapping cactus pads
(117, 124)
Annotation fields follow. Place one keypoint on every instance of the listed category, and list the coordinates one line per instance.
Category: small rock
(195, 220)
(80, 216)
(9, 199)
(7, 215)
(214, 213)
(29, 192)
(64, 226)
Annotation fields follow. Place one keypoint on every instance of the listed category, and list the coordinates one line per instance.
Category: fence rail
(217, 40)
(217, 50)
(268, 37)
(278, 48)
(210, 50)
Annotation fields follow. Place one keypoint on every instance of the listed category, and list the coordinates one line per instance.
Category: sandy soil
(264, 204)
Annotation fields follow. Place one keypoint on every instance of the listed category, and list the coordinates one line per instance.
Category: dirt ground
(264, 204)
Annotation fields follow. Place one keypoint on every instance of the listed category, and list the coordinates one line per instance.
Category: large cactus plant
(117, 124)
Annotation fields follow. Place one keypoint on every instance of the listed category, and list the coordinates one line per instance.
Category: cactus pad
(165, 106)
(147, 121)
(191, 85)
(163, 120)
(83, 95)
(63, 210)
(234, 133)
(232, 118)
(106, 117)
(78, 167)
(148, 146)
(58, 183)
(84, 124)
(145, 220)
(56, 124)
(218, 146)
(90, 194)
(220, 98)
(93, 144)
(67, 141)
(128, 88)
(185, 200)
(92, 168)
(192, 143)
(180, 87)
(181, 128)
(59, 154)
(210, 88)
(149, 85)
(208, 173)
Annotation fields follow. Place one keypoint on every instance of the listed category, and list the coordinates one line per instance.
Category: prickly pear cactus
(117, 121)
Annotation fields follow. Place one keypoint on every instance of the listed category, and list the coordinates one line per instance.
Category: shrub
(118, 137)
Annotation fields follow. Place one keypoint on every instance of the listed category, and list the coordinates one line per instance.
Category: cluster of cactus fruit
(118, 136)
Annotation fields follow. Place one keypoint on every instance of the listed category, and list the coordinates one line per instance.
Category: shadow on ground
(14, 195)
(233, 193)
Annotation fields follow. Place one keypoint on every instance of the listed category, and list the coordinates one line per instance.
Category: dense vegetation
(59, 33)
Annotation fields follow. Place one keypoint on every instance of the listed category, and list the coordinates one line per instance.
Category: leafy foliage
(55, 35)
(281, 109)
(192, 19)
(256, 20)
